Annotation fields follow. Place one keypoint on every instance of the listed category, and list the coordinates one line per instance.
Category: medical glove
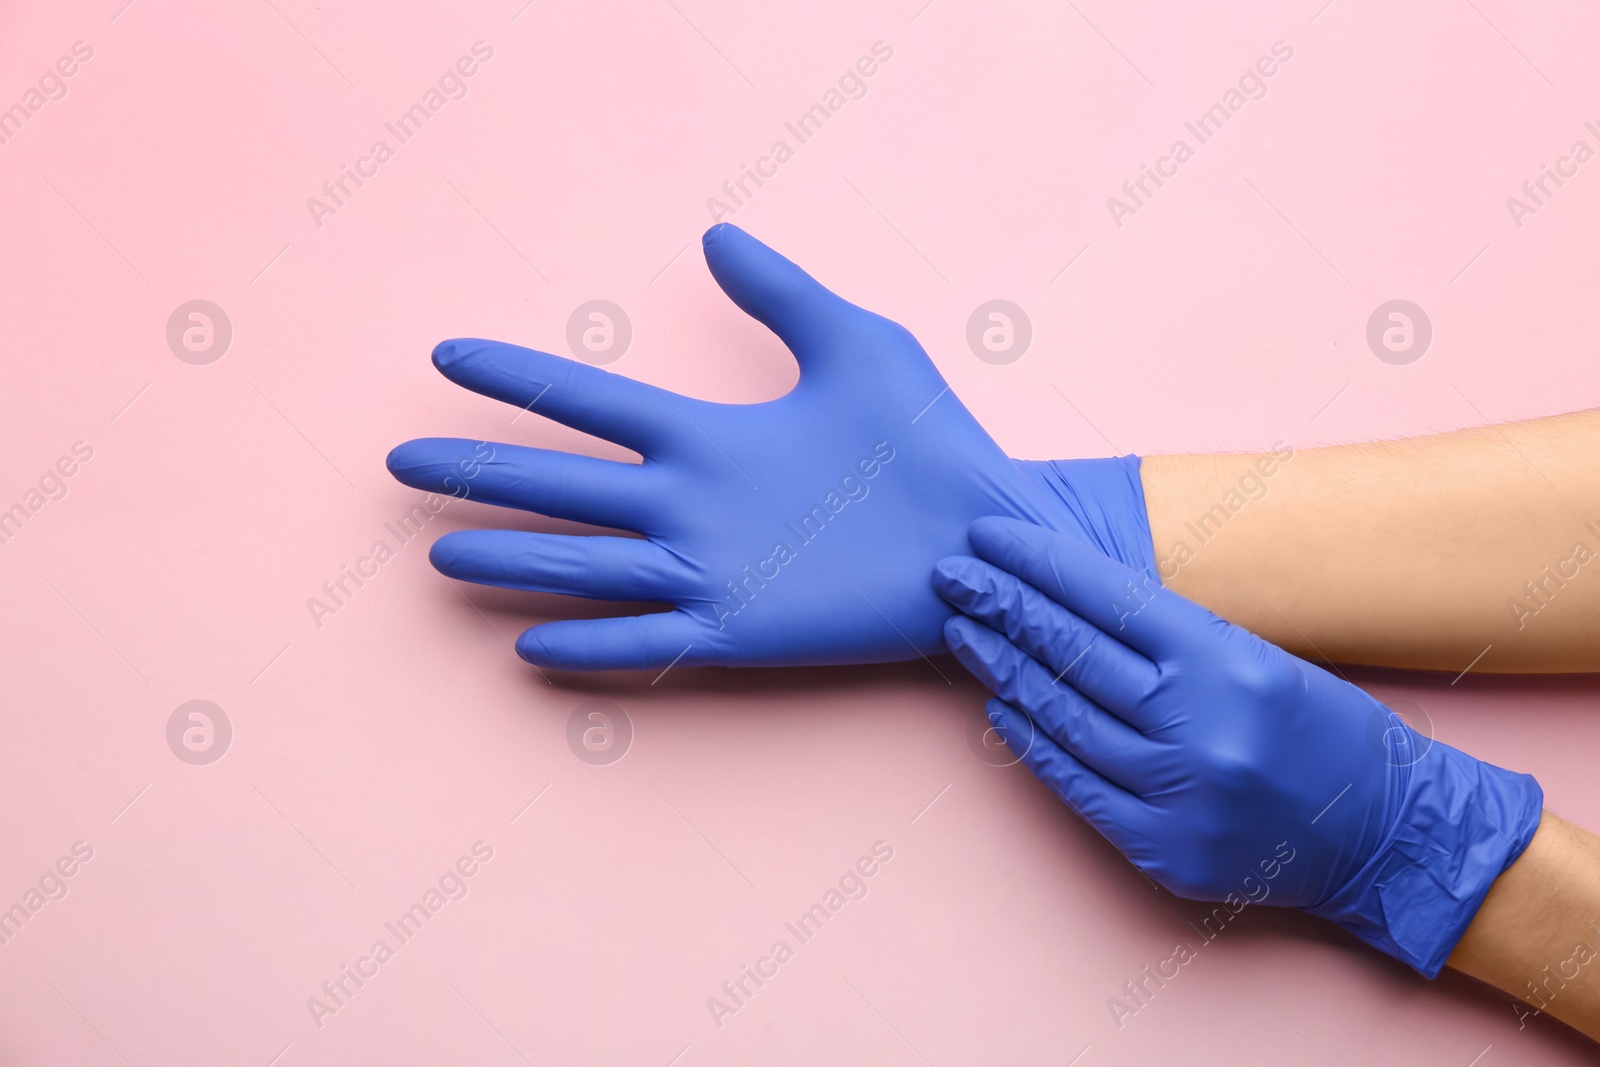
(797, 531)
(1223, 767)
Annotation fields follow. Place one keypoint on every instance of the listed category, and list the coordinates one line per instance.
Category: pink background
(370, 753)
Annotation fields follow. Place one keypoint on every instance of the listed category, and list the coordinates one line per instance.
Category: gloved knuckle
(1256, 681)
(1235, 774)
(1008, 601)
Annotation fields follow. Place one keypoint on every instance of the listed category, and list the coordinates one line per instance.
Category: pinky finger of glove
(1109, 808)
(626, 643)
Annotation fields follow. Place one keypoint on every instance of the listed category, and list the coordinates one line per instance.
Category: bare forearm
(1537, 935)
(1418, 553)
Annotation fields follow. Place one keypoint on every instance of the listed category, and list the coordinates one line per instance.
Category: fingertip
(449, 352)
(959, 632)
(417, 453)
(471, 361)
(952, 575)
(716, 232)
(531, 648)
(403, 457)
(444, 353)
(772, 289)
(446, 553)
(983, 534)
(955, 632)
(1015, 727)
(970, 640)
(993, 531)
(1011, 544)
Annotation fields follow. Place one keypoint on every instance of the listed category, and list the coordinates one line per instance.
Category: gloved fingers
(1116, 813)
(634, 414)
(601, 568)
(1102, 742)
(581, 488)
(631, 642)
(1124, 603)
(1104, 670)
(807, 317)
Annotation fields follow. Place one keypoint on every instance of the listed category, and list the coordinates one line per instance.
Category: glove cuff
(1461, 823)
(1103, 501)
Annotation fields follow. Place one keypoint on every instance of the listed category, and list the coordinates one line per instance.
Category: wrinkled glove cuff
(1461, 823)
(1104, 503)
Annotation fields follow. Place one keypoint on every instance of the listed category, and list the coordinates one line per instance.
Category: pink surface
(369, 754)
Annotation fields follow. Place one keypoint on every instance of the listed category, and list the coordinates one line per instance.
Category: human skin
(1416, 553)
(1410, 553)
(1537, 933)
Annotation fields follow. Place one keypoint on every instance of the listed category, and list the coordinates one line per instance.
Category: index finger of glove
(1123, 603)
(1103, 669)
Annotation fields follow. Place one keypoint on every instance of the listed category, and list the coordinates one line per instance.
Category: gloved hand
(1220, 764)
(796, 531)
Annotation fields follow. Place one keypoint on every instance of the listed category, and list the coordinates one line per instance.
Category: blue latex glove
(797, 531)
(1220, 764)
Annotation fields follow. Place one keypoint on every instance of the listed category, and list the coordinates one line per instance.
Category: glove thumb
(776, 293)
